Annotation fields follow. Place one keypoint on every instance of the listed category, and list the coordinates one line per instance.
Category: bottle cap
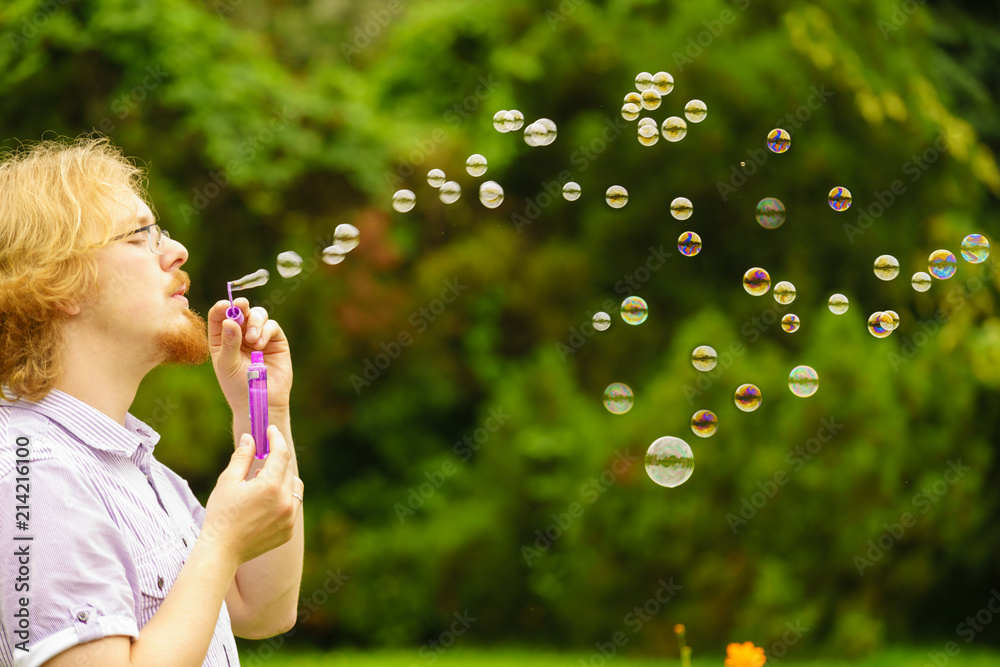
(256, 357)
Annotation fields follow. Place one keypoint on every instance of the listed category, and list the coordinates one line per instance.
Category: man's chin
(187, 343)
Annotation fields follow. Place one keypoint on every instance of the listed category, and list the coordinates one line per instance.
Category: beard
(185, 344)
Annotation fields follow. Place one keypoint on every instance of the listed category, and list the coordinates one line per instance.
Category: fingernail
(245, 440)
(230, 333)
(252, 332)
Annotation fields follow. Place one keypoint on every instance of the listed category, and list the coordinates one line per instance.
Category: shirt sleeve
(69, 584)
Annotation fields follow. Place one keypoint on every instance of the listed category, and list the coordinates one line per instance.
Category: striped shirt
(93, 530)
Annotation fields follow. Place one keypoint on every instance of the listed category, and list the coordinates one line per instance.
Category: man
(106, 557)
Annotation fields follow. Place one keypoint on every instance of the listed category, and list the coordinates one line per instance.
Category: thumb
(243, 456)
(232, 334)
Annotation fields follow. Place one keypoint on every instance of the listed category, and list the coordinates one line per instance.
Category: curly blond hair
(57, 202)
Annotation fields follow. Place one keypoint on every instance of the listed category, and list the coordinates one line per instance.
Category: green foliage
(265, 124)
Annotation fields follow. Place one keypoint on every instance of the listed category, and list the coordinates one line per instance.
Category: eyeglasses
(154, 234)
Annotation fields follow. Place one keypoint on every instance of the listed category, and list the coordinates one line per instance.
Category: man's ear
(69, 307)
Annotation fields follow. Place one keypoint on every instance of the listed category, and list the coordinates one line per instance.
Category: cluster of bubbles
(649, 93)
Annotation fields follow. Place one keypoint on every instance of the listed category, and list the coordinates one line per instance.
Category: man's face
(139, 294)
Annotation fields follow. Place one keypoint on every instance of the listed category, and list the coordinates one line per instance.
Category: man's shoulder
(28, 435)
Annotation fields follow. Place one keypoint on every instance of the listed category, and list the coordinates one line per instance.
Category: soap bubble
(674, 128)
(886, 267)
(704, 423)
(633, 98)
(289, 264)
(251, 280)
(942, 264)
(689, 244)
(747, 397)
(778, 140)
(450, 192)
(346, 238)
(975, 248)
(839, 199)
(681, 208)
(490, 194)
(499, 123)
(704, 358)
(549, 131)
(571, 191)
(880, 324)
(669, 461)
(921, 281)
(616, 196)
(790, 322)
(647, 121)
(803, 381)
(332, 255)
(770, 213)
(663, 82)
(513, 120)
(695, 111)
(650, 99)
(476, 165)
(534, 134)
(601, 321)
(404, 200)
(435, 178)
(838, 304)
(756, 281)
(784, 292)
(648, 135)
(894, 319)
(634, 310)
(630, 111)
(643, 81)
(618, 398)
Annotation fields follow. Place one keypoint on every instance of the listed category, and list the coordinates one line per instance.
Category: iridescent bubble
(704, 358)
(669, 461)
(942, 264)
(838, 304)
(975, 248)
(886, 267)
(251, 280)
(650, 99)
(436, 178)
(674, 128)
(630, 111)
(695, 111)
(756, 281)
(880, 324)
(513, 120)
(704, 423)
(571, 191)
(681, 208)
(647, 121)
(404, 200)
(689, 244)
(770, 213)
(893, 319)
(289, 264)
(476, 165)
(616, 196)
(332, 256)
(790, 322)
(747, 397)
(663, 82)
(490, 194)
(549, 131)
(839, 199)
(784, 292)
(634, 310)
(803, 381)
(618, 398)
(643, 81)
(601, 321)
(633, 98)
(921, 281)
(499, 123)
(346, 238)
(450, 192)
(648, 135)
(778, 140)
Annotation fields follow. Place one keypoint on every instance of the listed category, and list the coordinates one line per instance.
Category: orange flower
(744, 655)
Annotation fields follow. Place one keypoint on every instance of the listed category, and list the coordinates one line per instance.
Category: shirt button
(159, 582)
(184, 541)
(83, 616)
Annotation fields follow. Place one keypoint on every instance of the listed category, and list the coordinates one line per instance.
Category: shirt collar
(90, 425)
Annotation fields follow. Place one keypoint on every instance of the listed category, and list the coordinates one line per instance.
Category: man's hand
(231, 344)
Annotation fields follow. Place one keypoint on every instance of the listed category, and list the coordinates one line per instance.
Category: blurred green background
(473, 472)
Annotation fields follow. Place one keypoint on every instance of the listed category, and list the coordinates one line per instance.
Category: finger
(255, 324)
(217, 313)
(271, 331)
(242, 459)
(279, 457)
